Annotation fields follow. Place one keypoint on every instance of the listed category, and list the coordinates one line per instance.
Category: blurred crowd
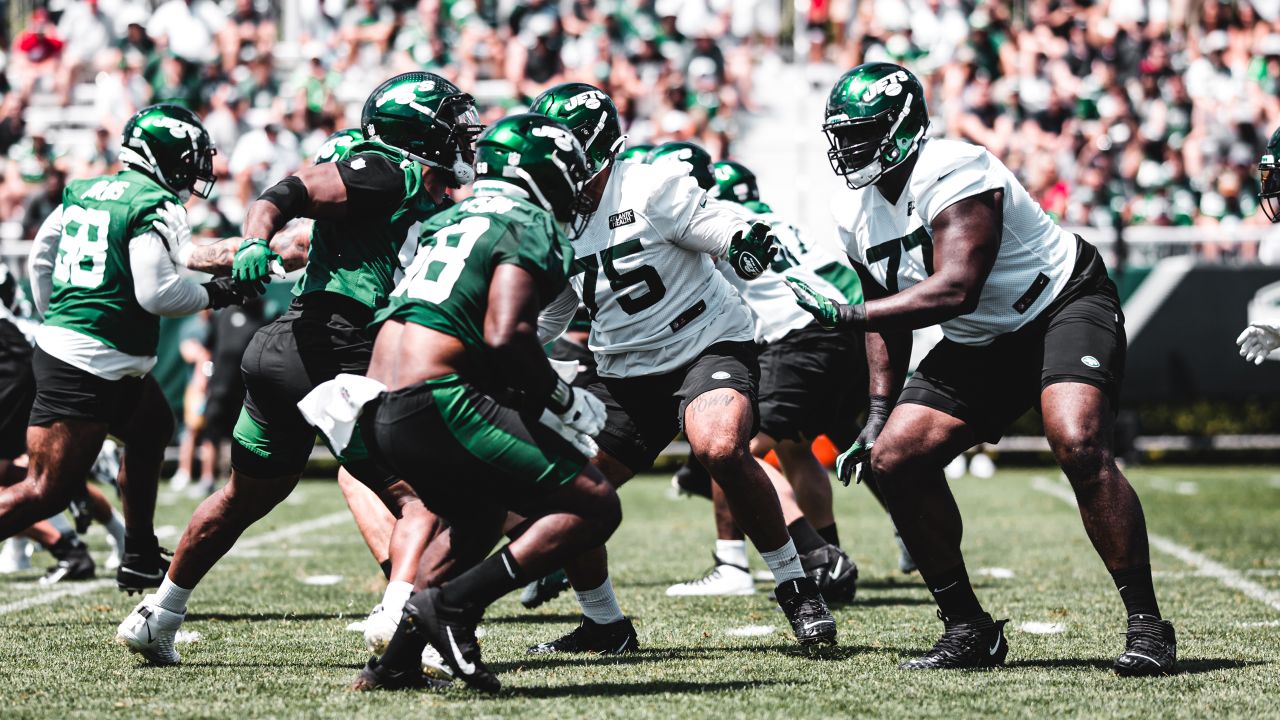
(1112, 111)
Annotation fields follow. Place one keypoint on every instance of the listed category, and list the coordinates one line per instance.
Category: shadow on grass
(1192, 666)
(537, 618)
(623, 689)
(883, 600)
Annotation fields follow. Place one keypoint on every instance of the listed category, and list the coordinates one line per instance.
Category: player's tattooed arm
(214, 258)
(966, 239)
(316, 192)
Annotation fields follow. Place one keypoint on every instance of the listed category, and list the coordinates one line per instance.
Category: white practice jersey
(643, 269)
(895, 241)
(770, 300)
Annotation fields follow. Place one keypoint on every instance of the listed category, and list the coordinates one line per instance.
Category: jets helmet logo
(590, 99)
(178, 128)
(890, 85)
(562, 138)
(407, 94)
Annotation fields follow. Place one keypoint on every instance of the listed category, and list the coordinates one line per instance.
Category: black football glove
(878, 411)
(224, 291)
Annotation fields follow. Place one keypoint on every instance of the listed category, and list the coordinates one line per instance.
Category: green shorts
(457, 446)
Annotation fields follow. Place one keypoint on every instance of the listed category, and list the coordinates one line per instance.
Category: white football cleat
(380, 626)
(150, 630)
(434, 666)
(723, 579)
(15, 556)
(957, 468)
(117, 553)
(982, 466)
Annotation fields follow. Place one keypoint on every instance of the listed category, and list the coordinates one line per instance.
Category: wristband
(561, 397)
(852, 316)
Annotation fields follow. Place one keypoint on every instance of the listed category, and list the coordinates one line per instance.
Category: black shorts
(64, 392)
(17, 390)
(459, 448)
(321, 335)
(645, 413)
(813, 382)
(1079, 338)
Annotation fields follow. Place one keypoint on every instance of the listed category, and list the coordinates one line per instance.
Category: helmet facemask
(863, 149)
(1269, 196)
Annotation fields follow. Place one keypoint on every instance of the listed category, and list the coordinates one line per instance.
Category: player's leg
(110, 519)
(145, 434)
(61, 454)
(373, 519)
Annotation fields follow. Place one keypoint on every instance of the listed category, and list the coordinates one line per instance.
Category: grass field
(272, 642)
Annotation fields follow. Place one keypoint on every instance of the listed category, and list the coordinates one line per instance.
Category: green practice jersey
(92, 281)
(447, 286)
(358, 256)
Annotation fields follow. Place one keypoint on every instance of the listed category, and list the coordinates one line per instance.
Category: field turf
(272, 642)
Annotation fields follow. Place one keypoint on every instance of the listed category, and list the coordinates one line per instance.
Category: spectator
(189, 28)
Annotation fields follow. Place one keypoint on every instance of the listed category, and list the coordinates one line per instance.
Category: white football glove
(586, 413)
(1257, 342)
(583, 442)
(173, 226)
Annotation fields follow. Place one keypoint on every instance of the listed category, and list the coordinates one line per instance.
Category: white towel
(335, 406)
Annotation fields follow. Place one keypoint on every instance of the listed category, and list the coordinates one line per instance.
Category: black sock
(830, 534)
(139, 543)
(1137, 590)
(805, 537)
(480, 586)
(65, 542)
(954, 595)
(386, 568)
(404, 652)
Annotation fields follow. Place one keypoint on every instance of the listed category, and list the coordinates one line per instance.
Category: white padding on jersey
(674, 200)
(334, 406)
(91, 354)
(969, 175)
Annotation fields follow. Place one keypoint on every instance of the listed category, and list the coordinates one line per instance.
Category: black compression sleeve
(375, 184)
(290, 195)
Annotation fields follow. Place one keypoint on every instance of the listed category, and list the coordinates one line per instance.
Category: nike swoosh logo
(466, 667)
(150, 576)
(816, 623)
(992, 650)
(839, 564)
(946, 173)
(938, 590)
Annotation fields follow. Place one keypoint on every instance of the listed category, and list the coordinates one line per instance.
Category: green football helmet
(876, 118)
(638, 154)
(698, 161)
(168, 143)
(540, 156)
(337, 145)
(427, 117)
(590, 114)
(1269, 177)
(735, 182)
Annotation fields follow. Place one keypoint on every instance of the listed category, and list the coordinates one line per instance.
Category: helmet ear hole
(463, 172)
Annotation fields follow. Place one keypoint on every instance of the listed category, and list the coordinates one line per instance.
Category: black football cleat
(142, 568)
(74, 561)
(374, 676)
(978, 643)
(452, 632)
(613, 638)
(803, 605)
(544, 589)
(80, 513)
(1150, 648)
(833, 572)
(692, 480)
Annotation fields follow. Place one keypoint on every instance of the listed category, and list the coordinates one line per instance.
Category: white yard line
(287, 532)
(1202, 564)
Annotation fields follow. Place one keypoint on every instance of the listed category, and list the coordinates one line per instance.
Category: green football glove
(821, 307)
(253, 261)
(751, 253)
(878, 411)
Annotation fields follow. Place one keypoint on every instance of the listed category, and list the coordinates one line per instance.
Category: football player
(941, 232)
(364, 207)
(674, 347)
(461, 328)
(104, 268)
(806, 389)
(1260, 340)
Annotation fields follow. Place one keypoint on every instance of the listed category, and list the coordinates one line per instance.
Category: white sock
(732, 552)
(171, 597)
(59, 523)
(396, 596)
(115, 528)
(784, 563)
(600, 605)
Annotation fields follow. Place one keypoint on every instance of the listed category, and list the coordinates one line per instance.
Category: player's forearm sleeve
(711, 229)
(158, 287)
(44, 252)
(555, 318)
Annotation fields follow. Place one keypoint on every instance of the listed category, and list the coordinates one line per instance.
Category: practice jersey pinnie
(446, 288)
(773, 303)
(93, 291)
(359, 256)
(894, 241)
(654, 295)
